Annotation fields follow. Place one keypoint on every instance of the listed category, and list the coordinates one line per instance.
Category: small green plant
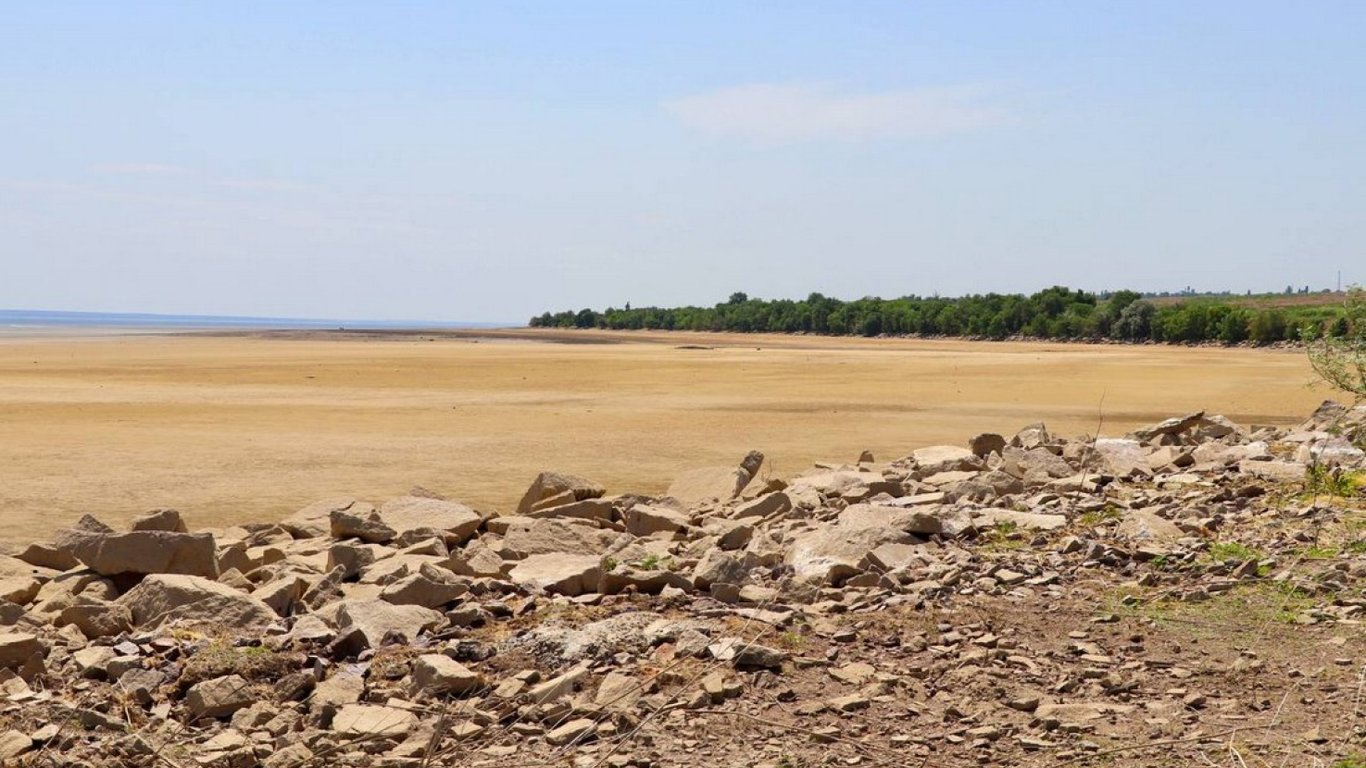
(1322, 480)
(1223, 551)
(1165, 563)
(791, 640)
(609, 564)
(1357, 547)
(1354, 760)
(1003, 535)
(653, 562)
(1318, 552)
(1097, 516)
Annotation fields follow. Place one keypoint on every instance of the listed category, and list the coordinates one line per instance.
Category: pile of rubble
(1030, 600)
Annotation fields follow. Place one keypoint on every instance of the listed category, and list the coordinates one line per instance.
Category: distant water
(26, 321)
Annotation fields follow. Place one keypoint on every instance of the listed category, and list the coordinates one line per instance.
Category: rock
(282, 593)
(96, 619)
(160, 520)
(908, 520)
(219, 697)
(13, 744)
(376, 619)
(141, 684)
(539, 537)
(641, 581)
(831, 554)
(597, 510)
(1275, 471)
(943, 458)
(554, 488)
(719, 567)
(575, 731)
(371, 720)
(985, 444)
(455, 522)
(755, 656)
(430, 587)
(1029, 521)
(1033, 436)
(1074, 713)
(1332, 451)
(146, 552)
(1035, 465)
(370, 528)
(1120, 457)
(48, 556)
(768, 505)
(734, 535)
(477, 560)
(19, 590)
(315, 520)
(891, 557)
(17, 648)
(619, 692)
(1146, 527)
(330, 695)
(163, 598)
(441, 675)
(642, 520)
(712, 484)
(561, 573)
(1174, 426)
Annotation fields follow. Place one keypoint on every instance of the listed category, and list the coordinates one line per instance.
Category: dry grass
(230, 429)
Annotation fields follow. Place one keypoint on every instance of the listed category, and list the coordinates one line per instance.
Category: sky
(486, 161)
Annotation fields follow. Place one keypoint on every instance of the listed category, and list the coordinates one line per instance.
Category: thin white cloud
(803, 112)
(261, 185)
(149, 169)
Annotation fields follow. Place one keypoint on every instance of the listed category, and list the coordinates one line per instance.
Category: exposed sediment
(1191, 589)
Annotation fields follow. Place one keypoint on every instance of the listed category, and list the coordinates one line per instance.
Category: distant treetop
(1053, 313)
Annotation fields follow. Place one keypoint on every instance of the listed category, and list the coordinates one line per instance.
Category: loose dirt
(252, 427)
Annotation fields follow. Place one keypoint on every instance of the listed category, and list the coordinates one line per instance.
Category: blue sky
(486, 161)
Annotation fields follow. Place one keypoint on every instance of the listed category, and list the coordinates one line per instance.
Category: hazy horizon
(474, 162)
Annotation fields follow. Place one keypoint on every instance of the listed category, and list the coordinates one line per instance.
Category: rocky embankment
(1185, 595)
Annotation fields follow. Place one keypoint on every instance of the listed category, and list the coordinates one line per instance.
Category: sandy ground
(237, 428)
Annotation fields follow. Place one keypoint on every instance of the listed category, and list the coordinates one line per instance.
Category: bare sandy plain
(251, 427)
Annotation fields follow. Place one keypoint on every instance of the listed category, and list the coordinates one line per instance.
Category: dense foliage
(1055, 313)
(1340, 359)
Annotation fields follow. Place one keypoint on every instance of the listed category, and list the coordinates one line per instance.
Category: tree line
(1053, 313)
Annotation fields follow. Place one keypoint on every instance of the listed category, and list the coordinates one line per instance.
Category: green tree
(1340, 360)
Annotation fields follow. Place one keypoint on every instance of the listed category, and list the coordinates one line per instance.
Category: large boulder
(558, 572)
(374, 620)
(715, 484)
(1145, 527)
(642, 520)
(442, 675)
(160, 520)
(430, 587)
(539, 537)
(919, 521)
(943, 458)
(17, 648)
(454, 522)
(219, 697)
(1176, 425)
(315, 520)
(371, 721)
(369, 527)
(109, 553)
(551, 489)
(163, 599)
(830, 554)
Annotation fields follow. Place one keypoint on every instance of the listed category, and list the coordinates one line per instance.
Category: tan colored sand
(242, 429)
